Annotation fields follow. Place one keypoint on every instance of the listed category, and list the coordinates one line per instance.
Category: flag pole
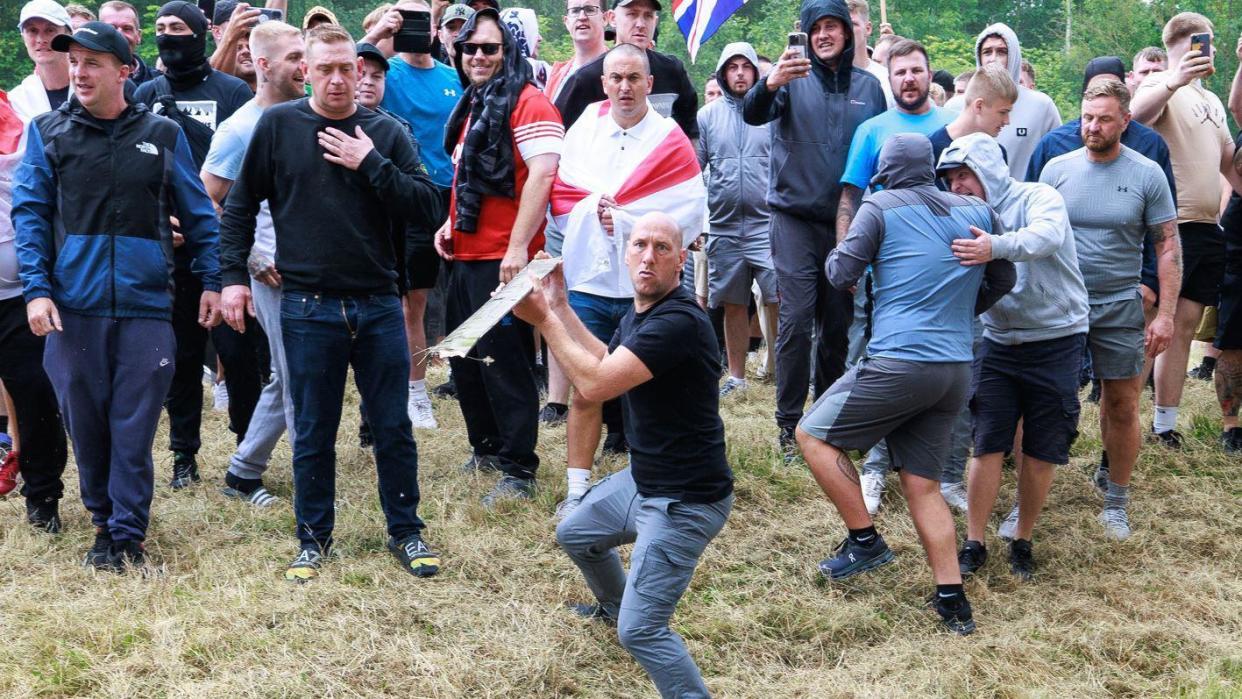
(883, 12)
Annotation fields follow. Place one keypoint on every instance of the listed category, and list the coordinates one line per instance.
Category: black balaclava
(1103, 65)
(184, 57)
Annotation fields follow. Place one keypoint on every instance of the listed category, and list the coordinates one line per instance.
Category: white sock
(419, 388)
(579, 480)
(1164, 419)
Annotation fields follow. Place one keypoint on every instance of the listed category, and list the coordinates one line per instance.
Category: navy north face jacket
(91, 207)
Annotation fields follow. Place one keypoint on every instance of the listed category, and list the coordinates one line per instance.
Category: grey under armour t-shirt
(1111, 207)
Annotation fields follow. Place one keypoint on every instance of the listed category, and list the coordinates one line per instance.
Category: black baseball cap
(223, 12)
(96, 36)
(623, 3)
(366, 50)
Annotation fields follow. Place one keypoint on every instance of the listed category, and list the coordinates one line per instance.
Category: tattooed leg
(837, 477)
(1229, 385)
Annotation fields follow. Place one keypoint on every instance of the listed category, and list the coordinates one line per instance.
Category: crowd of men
(937, 274)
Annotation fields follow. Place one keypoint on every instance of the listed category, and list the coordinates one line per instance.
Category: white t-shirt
(224, 160)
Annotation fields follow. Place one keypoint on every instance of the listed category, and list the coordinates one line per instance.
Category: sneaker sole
(301, 574)
(859, 567)
(961, 628)
(260, 498)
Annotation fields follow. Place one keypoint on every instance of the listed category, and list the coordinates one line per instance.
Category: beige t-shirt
(1194, 127)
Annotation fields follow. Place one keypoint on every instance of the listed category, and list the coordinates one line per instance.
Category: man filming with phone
(231, 22)
(816, 98)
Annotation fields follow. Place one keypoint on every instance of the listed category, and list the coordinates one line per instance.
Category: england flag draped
(699, 19)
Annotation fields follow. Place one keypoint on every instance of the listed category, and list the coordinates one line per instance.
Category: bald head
(628, 52)
(658, 223)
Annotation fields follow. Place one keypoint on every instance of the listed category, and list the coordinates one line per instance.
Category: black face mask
(184, 57)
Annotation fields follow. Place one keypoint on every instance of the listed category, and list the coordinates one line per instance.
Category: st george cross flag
(699, 19)
(649, 167)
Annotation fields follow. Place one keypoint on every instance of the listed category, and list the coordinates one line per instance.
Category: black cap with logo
(96, 36)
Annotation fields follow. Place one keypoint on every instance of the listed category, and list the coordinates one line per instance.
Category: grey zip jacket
(815, 117)
(1049, 300)
(734, 157)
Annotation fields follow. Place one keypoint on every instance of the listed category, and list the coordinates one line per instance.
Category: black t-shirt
(670, 84)
(211, 101)
(57, 97)
(940, 139)
(672, 422)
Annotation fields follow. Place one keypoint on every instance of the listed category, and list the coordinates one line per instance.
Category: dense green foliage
(948, 27)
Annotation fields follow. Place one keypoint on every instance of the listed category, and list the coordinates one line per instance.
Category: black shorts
(1229, 313)
(422, 266)
(1034, 382)
(1203, 261)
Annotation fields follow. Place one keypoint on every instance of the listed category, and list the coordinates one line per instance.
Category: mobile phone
(271, 13)
(799, 41)
(1201, 43)
(414, 36)
(208, 7)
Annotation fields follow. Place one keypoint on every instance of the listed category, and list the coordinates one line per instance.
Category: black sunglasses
(487, 49)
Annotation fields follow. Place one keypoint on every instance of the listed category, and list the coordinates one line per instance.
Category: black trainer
(97, 557)
(554, 414)
(1171, 439)
(1094, 395)
(852, 558)
(185, 470)
(448, 389)
(954, 612)
(365, 439)
(416, 557)
(971, 557)
(594, 612)
(1231, 440)
(1203, 372)
(124, 555)
(1100, 479)
(1021, 563)
(44, 516)
(614, 443)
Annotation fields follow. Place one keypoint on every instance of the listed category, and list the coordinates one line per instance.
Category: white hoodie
(29, 99)
(1033, 115)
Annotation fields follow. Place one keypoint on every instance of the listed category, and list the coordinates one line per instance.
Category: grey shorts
(1115, 339)
(553, 238)
(911, 405)
(733, 264)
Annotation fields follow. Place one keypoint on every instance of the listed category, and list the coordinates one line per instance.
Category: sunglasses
(487, 49)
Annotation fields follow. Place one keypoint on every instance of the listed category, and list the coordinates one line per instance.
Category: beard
(914, 104)
(1100, 144)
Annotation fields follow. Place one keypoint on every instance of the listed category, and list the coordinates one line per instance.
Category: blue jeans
(669, 536)
(323, 337)
(600, 314)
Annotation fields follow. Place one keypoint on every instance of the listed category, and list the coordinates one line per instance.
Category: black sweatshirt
(670, 82)
(334, 232)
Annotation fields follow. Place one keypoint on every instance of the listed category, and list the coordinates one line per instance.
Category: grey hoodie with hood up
(734, 156)
(1033, 115)
(1049, 300)
(815, 117)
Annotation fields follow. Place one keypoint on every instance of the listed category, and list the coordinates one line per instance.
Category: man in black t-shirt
(672, 93)
(674, 498)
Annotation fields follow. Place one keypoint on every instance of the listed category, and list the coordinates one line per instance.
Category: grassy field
(1159, 615)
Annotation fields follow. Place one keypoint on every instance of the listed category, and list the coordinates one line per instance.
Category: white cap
(50, 10)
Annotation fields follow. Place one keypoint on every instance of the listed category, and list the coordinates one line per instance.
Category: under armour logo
(1122, 188)
(450, 92)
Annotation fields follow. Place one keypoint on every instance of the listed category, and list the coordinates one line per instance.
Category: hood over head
(814, 10)
(1011, 39)
(982, 154)
(515, 70)
(728, 53)
(523, 24)
(905, 161)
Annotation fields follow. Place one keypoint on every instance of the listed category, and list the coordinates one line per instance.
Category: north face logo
(148, 148)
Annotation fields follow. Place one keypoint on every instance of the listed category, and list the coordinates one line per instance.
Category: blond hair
(1109, 88)
(991, 83)
(76, 10)
(267, 35)
(328, 34)
(862, 7)
(1183, 25)
(1152, 54)
(375, 16)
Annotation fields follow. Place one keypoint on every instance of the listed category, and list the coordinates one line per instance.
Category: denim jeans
(324, 336)
(669, 536)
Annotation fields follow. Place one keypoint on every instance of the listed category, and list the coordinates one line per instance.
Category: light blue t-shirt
(425, 97)
(224, 160)
(871, 134)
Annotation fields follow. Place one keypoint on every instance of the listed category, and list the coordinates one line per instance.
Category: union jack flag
(699, 19)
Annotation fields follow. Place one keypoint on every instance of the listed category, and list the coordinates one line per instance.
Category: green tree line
(947, 27)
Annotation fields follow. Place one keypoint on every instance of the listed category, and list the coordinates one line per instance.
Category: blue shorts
(1034, 382)
(600, 314)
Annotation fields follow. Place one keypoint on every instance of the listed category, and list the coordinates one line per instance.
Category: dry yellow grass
(1160, 615)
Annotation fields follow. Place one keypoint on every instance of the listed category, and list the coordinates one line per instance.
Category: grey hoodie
(816, 118)
(734, 157)
(1049, 300)
(1033, 115)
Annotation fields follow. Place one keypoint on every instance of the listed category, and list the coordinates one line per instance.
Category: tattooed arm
(851, 196)
(1169, 272)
